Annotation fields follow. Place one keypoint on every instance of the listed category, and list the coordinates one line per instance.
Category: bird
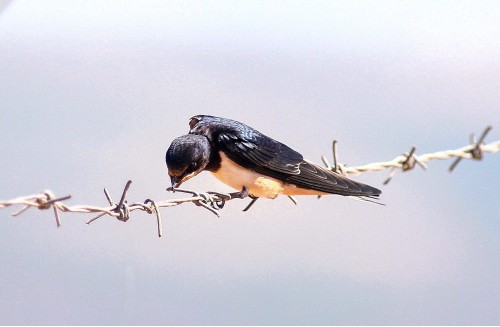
(248, 160)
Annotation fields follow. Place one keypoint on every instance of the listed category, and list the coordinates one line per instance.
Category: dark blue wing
(260, 153)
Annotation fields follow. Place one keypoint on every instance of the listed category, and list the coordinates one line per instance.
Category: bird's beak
(176, 182)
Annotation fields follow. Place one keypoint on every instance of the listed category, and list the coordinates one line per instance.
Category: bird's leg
(254, 198)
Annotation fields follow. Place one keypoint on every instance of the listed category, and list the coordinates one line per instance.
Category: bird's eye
(193, 121)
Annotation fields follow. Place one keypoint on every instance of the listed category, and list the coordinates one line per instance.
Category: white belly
(257, 184)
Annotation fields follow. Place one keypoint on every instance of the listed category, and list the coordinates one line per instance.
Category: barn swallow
(244, 158)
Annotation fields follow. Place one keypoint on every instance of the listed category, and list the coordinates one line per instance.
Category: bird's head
(186, 157)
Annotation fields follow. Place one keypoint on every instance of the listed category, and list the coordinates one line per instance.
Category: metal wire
(407, 161)
(214, 202)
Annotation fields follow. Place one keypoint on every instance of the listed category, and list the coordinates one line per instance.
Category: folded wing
(275, 159)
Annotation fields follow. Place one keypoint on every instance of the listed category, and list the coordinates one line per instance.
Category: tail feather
(315, 177)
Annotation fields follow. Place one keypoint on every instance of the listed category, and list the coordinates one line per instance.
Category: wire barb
(476, 151)
(211, 202)
(337, 167)
(407, 163)
(158, 216)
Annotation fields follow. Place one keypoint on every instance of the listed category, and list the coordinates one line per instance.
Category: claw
(240, 195)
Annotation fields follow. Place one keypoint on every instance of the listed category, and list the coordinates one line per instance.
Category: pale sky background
(93, 92)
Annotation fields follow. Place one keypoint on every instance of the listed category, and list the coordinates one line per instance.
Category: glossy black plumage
(259, 153)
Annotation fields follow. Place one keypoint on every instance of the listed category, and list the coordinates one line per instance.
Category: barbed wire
(214, 201)
(407, 161)
(211, 201)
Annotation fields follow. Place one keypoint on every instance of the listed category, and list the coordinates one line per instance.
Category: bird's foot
(240, 195)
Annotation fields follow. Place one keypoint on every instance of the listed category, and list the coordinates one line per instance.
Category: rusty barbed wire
(214, 201)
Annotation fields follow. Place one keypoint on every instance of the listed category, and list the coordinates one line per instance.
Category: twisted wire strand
(397, 162)
(37, 200)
